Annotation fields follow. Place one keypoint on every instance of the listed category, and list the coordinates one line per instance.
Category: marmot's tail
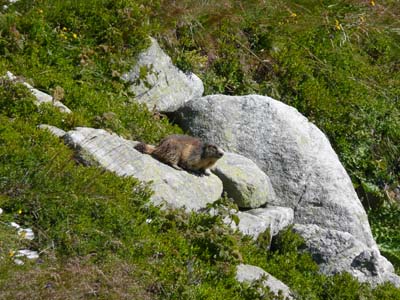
(144, 148)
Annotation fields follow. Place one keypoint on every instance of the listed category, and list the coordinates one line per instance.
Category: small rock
(29, 254)
(249, 273)
(26, 233)
(1, 211)
(15, 225)
(53, 129)
(49, 285)
(397, 192)
(25, 253)
(18, 262)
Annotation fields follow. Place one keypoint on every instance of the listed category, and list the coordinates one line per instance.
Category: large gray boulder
(157, 82)
(305, 172)
(171, 187)
(243, 181)
(249, 274)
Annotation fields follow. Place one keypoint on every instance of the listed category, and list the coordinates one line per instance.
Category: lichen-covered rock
(40, 96)
(249, 273)
(304, 170)
(157, 82)
(256, 221)
(171, 187)
(243, 181)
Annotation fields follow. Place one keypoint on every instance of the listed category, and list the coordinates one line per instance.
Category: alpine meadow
(98, 235)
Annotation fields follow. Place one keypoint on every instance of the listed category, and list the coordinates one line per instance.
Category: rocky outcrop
(249, 274)
(179, 188)
(40, 96)
(243, 181)
(155, 81)
(305, 172)
(171, 187)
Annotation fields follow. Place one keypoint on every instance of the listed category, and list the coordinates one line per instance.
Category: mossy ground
(97, 235)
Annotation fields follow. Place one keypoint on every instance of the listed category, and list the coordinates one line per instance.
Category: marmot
(184, 152)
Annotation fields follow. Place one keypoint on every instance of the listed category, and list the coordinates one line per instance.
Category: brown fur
(184, 152)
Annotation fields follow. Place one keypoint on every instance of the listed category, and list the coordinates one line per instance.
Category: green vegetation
(81, 49)
(386, 229)
(337, 62)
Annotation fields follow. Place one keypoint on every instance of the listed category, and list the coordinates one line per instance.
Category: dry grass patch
(79, 278)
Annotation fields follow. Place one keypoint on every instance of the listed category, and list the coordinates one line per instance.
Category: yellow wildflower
(372, 2)
(64, 29)
(337, 25)
(40, 11)
(19, 211)
(74, 35)
(293, 15)
(11, 253)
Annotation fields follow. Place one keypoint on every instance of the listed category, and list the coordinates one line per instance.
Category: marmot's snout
(220, 152)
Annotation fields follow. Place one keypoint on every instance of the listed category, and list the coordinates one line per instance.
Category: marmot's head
(210, 150)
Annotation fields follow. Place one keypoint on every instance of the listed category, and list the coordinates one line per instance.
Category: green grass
(64, 44)
(97, 233)
(386, 229)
